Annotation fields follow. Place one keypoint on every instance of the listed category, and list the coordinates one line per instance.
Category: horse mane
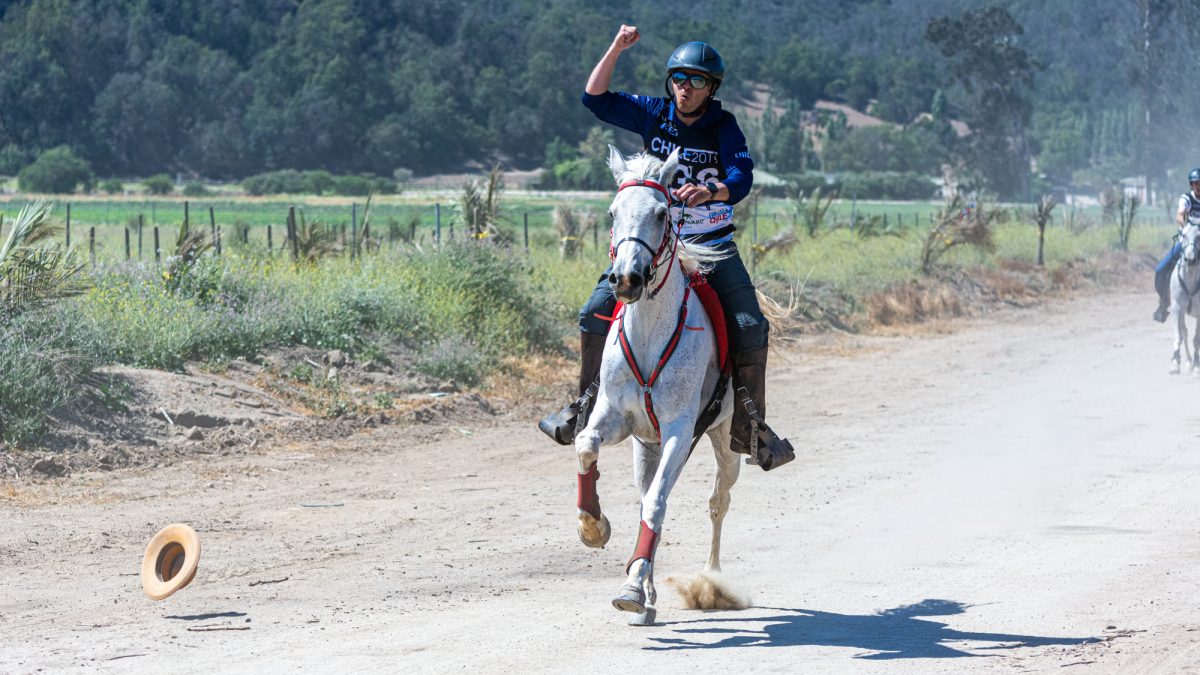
(692, 257)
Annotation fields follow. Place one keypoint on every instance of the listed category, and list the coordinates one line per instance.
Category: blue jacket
(712, 149)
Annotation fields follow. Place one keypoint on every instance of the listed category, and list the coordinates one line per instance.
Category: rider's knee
(749, 331)
(595, 315)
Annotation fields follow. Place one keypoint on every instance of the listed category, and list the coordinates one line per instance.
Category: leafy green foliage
(159, 184)
(35, 269)
(57, 171)
(288, 181)
(985, 57)
(40, 371)
(112, 186)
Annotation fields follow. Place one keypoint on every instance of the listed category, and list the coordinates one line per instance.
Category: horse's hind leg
(1195, 362)
(605, 424)
(728, 468)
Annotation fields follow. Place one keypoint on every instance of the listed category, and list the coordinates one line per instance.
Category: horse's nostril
(612, 278)
(635, 280)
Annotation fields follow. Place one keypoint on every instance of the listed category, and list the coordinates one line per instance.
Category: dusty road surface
(1022, 495)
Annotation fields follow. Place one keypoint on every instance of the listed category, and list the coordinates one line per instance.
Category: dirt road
(1022, 495)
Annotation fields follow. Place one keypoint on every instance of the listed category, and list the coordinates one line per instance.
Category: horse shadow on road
(895, 633)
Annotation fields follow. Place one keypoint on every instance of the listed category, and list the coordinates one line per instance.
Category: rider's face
(687, 98)
(1196, 187)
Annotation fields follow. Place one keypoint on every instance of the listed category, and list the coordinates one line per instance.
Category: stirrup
(563, 425)
(767, 449)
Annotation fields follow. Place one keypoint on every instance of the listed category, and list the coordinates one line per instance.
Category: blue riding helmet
(699, 56)
(1194, 175)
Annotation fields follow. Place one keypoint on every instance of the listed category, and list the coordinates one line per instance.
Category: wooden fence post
(212, 222)
(68, 224)
(270, 242)
(218, 241)
(157, 248)
(526, 230)
(353, 230)
(186, 222)
(291, 223)
(437, 223)
(127, 252)
(92, 246)
(141, 222)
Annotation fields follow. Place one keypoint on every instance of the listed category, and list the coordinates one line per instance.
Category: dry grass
(913, 302)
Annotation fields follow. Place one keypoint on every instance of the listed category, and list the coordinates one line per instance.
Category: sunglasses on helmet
(697, 81)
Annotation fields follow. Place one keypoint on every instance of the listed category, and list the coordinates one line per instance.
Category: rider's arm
(739, 168)
(601, 75)
(1181, 214)
(632, 113)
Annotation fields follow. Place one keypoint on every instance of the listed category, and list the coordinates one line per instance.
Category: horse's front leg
(638, 594)
(606, 425)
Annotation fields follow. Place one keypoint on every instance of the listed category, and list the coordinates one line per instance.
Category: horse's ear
(616, 163)
(669, 167)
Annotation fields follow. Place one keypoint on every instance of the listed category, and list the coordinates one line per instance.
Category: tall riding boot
(749, 433)
(1162, 284)
(561, 425)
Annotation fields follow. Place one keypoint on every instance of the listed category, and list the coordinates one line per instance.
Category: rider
(1188, 211)
(715, 172)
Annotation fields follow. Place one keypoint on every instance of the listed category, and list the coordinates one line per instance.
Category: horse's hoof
(646, 618)
(593, 533)
(631, 599)
(1174, 369)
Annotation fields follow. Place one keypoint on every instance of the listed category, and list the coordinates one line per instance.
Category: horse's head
(1189, 238)
(641, 228)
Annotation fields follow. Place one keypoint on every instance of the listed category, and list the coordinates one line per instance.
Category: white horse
(1185, 282)
(659, 404)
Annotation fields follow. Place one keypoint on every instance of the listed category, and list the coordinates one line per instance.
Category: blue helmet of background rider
(696, 56)
(1194, 176)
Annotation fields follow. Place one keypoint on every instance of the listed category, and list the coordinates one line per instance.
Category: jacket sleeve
(735, 157)
(626, 111)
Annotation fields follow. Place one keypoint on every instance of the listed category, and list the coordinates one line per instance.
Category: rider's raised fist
(625, 37)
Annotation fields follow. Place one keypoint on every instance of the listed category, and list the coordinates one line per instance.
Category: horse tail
(780, 317)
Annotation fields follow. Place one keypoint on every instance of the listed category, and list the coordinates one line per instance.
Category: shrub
(41, 369)
(196, 189)
(159, 184)
(112, 186)
(887, 185)
(290, 181)
(58, 171)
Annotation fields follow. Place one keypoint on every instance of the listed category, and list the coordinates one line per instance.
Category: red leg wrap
(647, 543)
(587, 499)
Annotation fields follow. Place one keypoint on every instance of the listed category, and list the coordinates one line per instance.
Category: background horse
(660, 368)
(1185, 282)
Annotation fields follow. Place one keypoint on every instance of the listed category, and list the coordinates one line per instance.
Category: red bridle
(655, 263)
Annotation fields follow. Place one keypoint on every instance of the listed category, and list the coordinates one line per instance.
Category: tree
(58, 171)
(985, 57)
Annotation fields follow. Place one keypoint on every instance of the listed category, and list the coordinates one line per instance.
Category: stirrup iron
(566, 423)
(767, 449)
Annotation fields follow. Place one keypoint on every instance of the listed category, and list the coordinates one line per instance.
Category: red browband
(646, 183)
